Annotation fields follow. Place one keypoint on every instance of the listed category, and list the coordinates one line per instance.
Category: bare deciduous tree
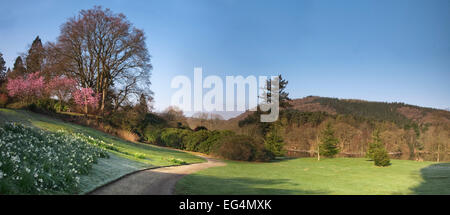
(102, 50)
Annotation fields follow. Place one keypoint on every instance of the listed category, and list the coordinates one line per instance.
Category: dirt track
(159, 181)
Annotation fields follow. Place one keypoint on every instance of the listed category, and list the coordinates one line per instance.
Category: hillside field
(125, 158)
(338, 176)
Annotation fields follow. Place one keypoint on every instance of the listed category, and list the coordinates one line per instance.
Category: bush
(59, 107)
(174, 137)
(194, 139)
(199, 128)
(381, 157)
(213, 140)
(274, 143)
(43, 105)
(3, 100)
(152, 134)
(241, 147)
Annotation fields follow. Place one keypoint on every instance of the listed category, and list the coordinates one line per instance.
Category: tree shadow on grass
(436, 180)
(202, 184)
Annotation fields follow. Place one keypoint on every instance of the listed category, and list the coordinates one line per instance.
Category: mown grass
(346, 176)
(125, 156)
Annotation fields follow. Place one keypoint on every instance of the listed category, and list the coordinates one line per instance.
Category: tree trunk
(438, 152)
(102, 108)
(85, 106)
(318, 148)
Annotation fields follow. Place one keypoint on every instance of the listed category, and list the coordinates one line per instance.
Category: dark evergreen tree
(18, 69)
(2, 70)
(142, 107)
(329, 146)
(2, 63)
(282, 94)
(35, 57)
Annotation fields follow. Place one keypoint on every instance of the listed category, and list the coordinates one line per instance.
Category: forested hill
(408, 131)
(399, 113)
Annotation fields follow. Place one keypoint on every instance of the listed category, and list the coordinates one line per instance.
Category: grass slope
(328, 176)
(131, 156)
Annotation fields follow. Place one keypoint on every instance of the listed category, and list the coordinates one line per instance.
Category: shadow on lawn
(201, 184)
(436, 180)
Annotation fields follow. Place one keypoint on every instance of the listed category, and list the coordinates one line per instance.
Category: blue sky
(381, 50)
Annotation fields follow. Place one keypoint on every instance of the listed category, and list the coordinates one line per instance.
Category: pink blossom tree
(27, 88)
(62, 87)
(86, 97)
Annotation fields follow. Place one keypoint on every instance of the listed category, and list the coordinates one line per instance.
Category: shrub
(274, 143)
(176, 161)
(381, 157)
(43, 105)
(194, 139)
(60, 107)
(174, 137)
(214, 139)
(3, 99)
(241, 147)
(198, 128)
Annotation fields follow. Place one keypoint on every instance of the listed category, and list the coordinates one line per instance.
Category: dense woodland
(408, 132)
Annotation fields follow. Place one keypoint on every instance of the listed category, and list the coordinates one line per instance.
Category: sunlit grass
(347, 176)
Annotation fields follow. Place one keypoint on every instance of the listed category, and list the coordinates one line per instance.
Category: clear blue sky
(382, 50)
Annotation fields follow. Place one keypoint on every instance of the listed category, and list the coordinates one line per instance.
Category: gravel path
(159, 181)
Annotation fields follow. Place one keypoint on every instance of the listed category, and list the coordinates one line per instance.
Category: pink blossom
(29, 87)
(86, 97)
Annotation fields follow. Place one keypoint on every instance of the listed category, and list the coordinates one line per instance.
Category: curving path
(158, 181)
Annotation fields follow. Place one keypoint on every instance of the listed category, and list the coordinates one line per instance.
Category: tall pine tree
(35, 56)
(282, 94)
(2, 70)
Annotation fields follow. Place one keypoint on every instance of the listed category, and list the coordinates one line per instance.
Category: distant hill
(395, 112)
(409, 132)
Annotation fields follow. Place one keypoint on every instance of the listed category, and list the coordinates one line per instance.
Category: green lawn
(328, 176)
(130, 156)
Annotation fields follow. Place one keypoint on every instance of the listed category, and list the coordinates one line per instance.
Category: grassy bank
(125, 156)
(328, 176)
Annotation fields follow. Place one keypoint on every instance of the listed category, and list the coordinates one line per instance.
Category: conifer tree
(282, 94)
(377, 152)
(35, 56)
(374, 145)
(18, 69)
(329, 146)
(2, 63)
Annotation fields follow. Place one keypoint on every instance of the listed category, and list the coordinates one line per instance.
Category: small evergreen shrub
(381, 157)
